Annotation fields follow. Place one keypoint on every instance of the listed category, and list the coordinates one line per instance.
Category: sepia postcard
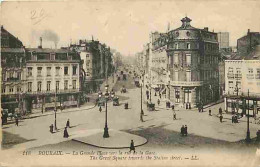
(130, 83)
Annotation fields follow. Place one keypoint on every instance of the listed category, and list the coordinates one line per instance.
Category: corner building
(193, 63)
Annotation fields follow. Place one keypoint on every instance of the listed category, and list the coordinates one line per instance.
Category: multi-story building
(193, 62)
(96, 63)
(242, 81)
(53, 78)
(159, 65)
(13, 71)
(223, 40)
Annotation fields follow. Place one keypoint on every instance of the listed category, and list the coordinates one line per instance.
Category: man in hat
(158, 101)
(16, 121)
(132, 146)
(209, 112)
(174, 115)
(68, 123)
(100, 109)
(182, 130)
(186, 130)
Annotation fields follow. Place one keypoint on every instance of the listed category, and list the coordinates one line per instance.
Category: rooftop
(48, 50)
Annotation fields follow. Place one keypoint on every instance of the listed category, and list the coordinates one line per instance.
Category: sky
(123, 25)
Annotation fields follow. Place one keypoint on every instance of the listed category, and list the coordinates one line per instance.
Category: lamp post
(248, 131)
(169, 86)
(106, 135)
(55, 110)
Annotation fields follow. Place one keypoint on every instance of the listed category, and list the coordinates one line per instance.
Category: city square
(177, 91)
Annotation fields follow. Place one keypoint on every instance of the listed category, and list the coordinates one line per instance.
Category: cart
(116, 101)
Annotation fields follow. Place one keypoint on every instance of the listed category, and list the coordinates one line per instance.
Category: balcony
(250, 76)
(45, 92)
(230, 75)
(186, 83)
(12, 79)
(238, 76)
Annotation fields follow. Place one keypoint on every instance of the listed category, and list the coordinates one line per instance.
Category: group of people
(184, 130)
(65, 132)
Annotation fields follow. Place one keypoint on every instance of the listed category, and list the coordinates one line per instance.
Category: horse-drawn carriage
(116, 101)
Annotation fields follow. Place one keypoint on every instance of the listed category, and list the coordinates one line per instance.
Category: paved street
(162, 132)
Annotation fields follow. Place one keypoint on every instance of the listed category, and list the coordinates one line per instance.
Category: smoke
(49, 35)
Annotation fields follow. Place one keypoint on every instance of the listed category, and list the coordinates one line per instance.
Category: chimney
(40, 46)
(206, 28)
(248, 31)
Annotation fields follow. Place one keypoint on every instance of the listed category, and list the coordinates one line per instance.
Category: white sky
(124, 25)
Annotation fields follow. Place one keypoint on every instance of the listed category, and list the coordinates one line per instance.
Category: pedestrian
(68, 123)
(258, 136)
(174, 115)
(155, 94)
(182, 130)
(51, 128)
(158, 101)
(147, 97)
(220, 111)
(232, 118)
(100, 109)
(209, 112)
(65, 133)
(172, 107)
(16, 121)
(185, 130)
(220, 118)
(160, 95)
(132, 146)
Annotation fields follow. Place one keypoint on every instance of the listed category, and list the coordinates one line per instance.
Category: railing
(53, 91)
(186, 83)
(230, 75)
(250, 76)
(12, 79)
(238, 76)
(243, 94)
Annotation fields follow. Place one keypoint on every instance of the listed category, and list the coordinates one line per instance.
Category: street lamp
(169, 86)
(248, 131)
(55, 110)
(106, 135)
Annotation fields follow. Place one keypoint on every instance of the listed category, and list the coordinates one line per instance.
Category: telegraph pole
(248, 131)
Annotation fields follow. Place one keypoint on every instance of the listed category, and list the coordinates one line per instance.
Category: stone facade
(193, 63)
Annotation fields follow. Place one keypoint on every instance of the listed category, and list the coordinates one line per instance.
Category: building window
(29, 86)
(198, 45)
(176, 75)
(74, 84)
(188, 59)
(188, 45)
(176, 46)
(257, 73)
(52, 56)
(176, 59)
(250, 70)
(18, 89)
(230, 84)
(74, 70)
(48, 85)
(39, 86)
(188, 75)
(29, 71)
(19, 75)
(66, 72)
(3, 89)
(57, 85)
(48, 71)
(177, 96)
(39, 71)
(57, 71)
(11, 89)
(66, 84)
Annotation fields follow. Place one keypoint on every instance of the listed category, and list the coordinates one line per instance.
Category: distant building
(97, 62)
(193, 62)
(242, 75)
(223, 40)
(248, 43)
(159, 64)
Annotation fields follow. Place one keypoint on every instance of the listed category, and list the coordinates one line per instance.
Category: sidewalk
(87, 106)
